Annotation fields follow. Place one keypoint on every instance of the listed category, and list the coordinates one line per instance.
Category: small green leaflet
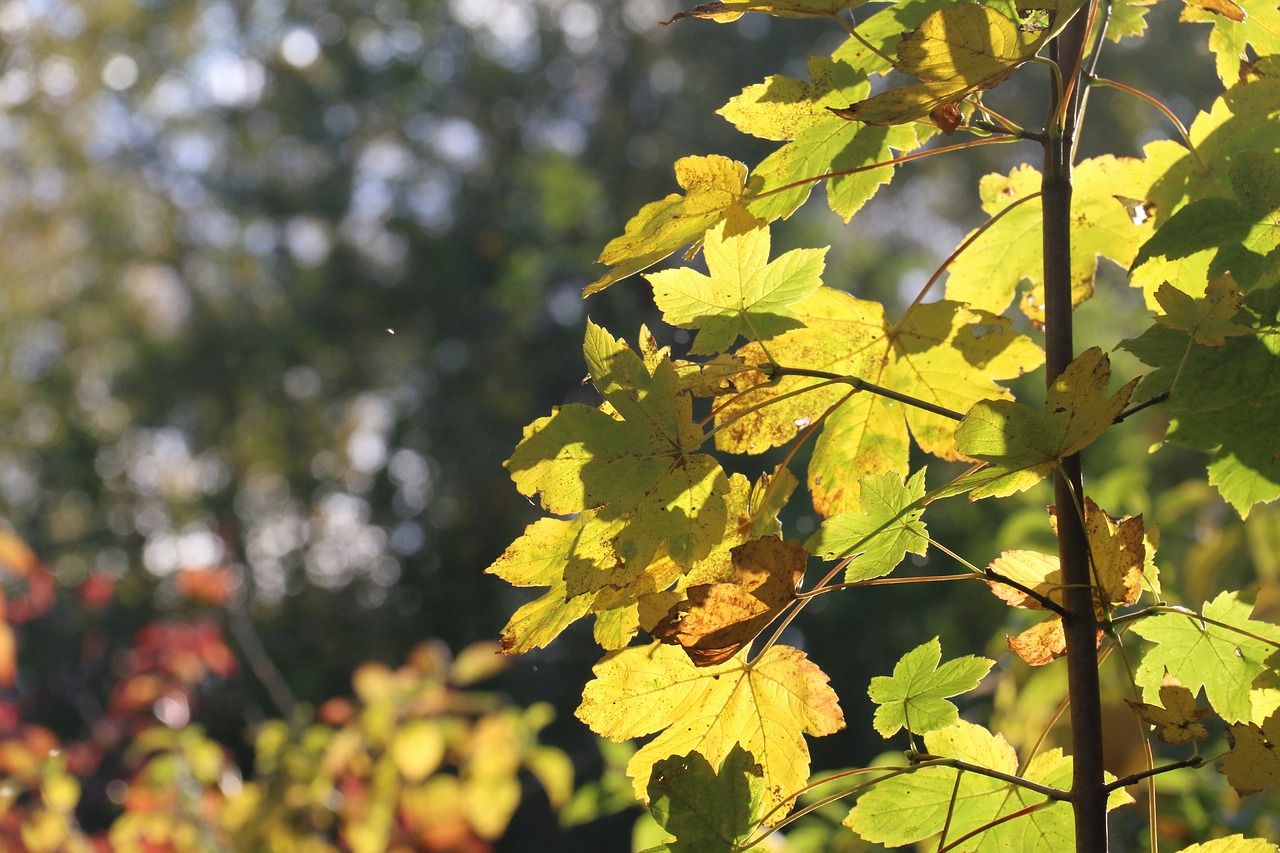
(745, 294)
(915, 696)
(713, 185)
(1024, 446)
(707, 811)
(919, 804)
(633, 461)
(878, 537)
(1223, 661)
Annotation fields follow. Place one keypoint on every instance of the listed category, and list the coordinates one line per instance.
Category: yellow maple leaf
(766, 706)
(1254, 760)
(1179, 716)
(941, 353)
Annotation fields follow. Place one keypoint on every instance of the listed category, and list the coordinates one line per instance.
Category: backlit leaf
(1208, 321)
(1233, 844)
(1238, 26)
(708, 810)
(1225, 662)
(725, 11)
(818, 141)
(915, 696)
(1254, 760)
(1025, 446)
(987, 272)
(716, 620)
(712, 185)
(766, 707)
(940, 352)
(637, 467)
(878, 537)
(1176, 714)
(745, 294)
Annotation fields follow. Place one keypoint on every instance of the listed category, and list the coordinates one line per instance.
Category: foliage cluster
(652, 529)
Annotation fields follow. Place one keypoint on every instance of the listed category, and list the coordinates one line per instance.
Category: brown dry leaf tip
(1179, 718)
(716, 620)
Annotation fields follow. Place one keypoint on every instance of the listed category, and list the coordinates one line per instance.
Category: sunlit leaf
(708, 810)
(880, 536)
(1254, 760)
(1176, 714)
(767, 707)
(1240, 27)
(1024, 446)
(915, 696)
(745, 294)
(1225, 661)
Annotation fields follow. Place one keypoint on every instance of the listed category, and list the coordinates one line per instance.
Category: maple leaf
(915, 696)
(745, 294)
(1237, 26)
(957, 50)
(1208, 321)
(727, 11)
(708, 810)
(1225, 661)
(1024, 446)
(918, 805)
(941, 352)
(986, 274)
(713, 187)
(1246, 118)
(1240, 235)
(879, 536)
(1177, 713)
(633, 462)
(1254, 760)
(766, 706)
(716, 620)
(818, 141)
(1224, 400)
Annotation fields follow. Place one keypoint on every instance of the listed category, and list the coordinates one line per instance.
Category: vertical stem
(1088, 794)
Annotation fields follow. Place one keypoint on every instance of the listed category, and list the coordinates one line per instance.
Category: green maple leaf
(915, 696)
(818, 141)
(918, 805)
(633, 460)
(745, 294)
(1256, 26)
(879, 34)
(1023, 445)
(1225, 662)
(1240, 235)
(986, 274)
(1232, 844)
(941, 352)
(882, 534)
(1224, 399)
(713, 188)
(707, 810)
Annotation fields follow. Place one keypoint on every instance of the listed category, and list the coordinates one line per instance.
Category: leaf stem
(890, 772)
(1134, 409)
(1022, 812)
(989, 574)
(859, 384)
(885, 582)
(926, 760)
(852, 29)
(905, 158)
(1138, 93)
(1125, 781)
(1191, 614)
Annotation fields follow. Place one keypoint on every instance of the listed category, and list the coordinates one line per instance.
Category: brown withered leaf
(1226, 8)
(1118, 552)
(716, 620)
(1180, 718)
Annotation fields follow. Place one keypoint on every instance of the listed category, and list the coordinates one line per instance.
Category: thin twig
(859, 384)
(1125, 781)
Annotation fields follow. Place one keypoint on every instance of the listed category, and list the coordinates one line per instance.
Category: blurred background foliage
(282, 280)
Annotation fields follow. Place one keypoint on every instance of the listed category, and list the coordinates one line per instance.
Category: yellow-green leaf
(766, 707)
